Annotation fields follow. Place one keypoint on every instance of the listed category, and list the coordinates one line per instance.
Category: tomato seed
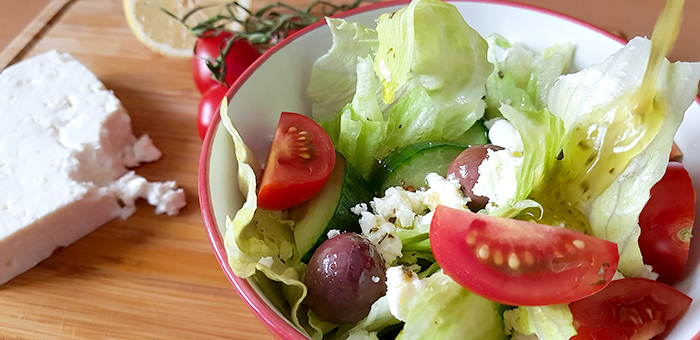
(498, 258)
(529, 259)
(513, 261)
(471, 238)
(571, 249)
(305, 155)
(292, 129)
(483, 252)
(579, 244)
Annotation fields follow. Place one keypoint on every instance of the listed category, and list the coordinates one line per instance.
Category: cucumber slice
(408, 166)
(330, 208)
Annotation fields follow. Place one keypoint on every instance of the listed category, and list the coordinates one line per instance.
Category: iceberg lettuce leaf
(446, 310)
(553, 322)
(522, 79)
(333, 75)
(615, 152)
(257, 240)
(410, 93)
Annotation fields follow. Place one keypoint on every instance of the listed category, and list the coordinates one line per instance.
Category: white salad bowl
(277, 82)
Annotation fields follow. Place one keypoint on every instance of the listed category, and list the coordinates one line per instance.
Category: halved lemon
(164, 34)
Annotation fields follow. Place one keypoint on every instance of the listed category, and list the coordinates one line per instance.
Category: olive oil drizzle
(604, 142)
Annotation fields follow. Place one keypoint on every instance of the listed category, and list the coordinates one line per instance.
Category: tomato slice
(301, 160)
(632, 308)
(520, 263)
(666, 223)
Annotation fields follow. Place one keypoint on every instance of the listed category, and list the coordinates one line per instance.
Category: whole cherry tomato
(208, 108)
(241, 55)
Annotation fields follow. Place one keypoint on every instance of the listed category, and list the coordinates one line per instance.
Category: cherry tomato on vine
(241, 55)
(632, 308)
(301, 159)
(666, 223)
(208, 108)
(517, 262)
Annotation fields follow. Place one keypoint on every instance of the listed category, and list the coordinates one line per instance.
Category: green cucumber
(407, 166)
(330, 208)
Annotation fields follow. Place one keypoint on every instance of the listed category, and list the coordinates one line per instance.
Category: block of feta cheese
(66, 149)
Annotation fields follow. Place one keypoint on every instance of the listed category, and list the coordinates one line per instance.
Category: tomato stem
(263, 28)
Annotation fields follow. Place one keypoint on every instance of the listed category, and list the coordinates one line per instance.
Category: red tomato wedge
(300, 161)
(631, 308)
(666, 223)
(520, 263)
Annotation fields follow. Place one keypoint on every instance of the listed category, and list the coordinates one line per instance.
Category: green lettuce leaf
(378, 319)
(608, 177)
(406, 91)
(522, 79)
(542, 143)
(257, 240)
(446, 310)
(553, 322)
(333, 76)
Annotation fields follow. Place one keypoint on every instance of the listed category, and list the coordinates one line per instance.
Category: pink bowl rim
(277, 325)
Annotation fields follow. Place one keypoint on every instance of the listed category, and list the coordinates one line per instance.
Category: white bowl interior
(279, 84)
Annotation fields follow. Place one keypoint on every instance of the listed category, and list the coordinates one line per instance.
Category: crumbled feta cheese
(333, 233)
(504, 134)
(165, 196)
(402, 285)
(497, 177)
(405, 209)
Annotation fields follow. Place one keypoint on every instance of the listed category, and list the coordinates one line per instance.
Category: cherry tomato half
(208, 108)
(632, 308)
(209, 46)
(520, 263)
(301, 160)
(667, 222)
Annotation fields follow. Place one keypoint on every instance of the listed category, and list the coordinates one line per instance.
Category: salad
(477, 189)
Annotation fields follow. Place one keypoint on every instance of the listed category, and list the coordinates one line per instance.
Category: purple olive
(345, 276)
(465, 167)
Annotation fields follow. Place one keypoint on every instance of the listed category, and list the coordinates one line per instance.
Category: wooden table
(156, 276)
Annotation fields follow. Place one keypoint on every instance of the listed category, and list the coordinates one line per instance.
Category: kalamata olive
(465, 167)
(345, 276)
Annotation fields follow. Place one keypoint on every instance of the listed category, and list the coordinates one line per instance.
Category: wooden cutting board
(150, 276)
(156, 276)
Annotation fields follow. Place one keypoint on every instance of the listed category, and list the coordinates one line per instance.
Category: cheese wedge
(66, 149)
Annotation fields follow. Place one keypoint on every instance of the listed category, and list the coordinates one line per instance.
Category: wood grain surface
(153, 276)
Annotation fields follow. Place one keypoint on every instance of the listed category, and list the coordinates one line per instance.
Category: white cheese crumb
(504, 134)
(333, 233)
(400, 208)
(497, 177)
(402, 285)
(142, 151)
(165, 196)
